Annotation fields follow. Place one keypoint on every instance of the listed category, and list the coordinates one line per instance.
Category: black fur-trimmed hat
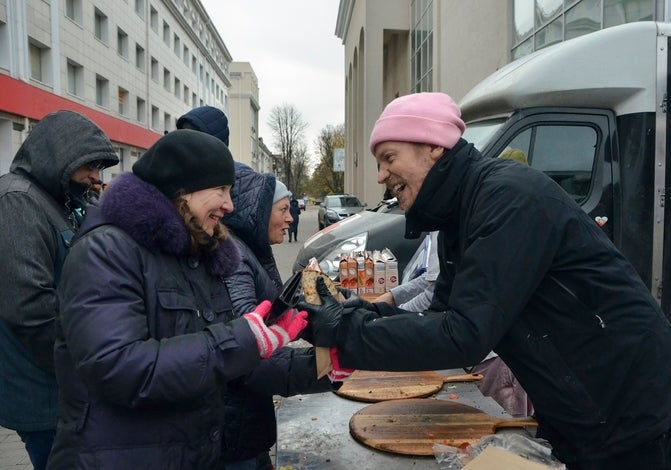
(188, 161)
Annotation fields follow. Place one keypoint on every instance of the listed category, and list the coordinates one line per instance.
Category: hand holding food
(324, 310)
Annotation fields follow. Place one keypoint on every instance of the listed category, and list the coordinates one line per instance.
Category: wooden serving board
(412, 427)
(373, 386)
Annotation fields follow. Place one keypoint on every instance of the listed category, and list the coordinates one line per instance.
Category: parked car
(373, 229)
(336, 207)
(301, 203)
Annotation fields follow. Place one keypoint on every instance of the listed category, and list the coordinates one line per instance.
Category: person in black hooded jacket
(43, 199)
(143, 348)
(262, 204)
(524, 271)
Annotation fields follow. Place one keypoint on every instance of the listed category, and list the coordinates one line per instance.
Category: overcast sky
(293, 49)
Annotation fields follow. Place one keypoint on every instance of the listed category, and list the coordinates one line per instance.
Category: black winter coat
(39, 209)
(251, 427)
(527, 273)
(142, 351)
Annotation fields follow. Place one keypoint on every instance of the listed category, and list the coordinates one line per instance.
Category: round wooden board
(412, 427)
(374, 386)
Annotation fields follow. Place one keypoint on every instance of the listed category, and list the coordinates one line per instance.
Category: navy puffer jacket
(250, 412)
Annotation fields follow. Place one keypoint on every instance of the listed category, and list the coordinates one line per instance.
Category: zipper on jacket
(602, 324)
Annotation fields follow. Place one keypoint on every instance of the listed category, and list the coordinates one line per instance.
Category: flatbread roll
(309, 284)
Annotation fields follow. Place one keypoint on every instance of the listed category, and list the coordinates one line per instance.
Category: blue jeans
(38, 445)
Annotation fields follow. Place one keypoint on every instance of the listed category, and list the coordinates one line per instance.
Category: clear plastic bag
(536, 450)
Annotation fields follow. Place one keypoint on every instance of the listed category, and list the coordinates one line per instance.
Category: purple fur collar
(151, 219)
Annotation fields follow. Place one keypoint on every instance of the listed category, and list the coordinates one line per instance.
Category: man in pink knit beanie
(430, 119)
(524, 271)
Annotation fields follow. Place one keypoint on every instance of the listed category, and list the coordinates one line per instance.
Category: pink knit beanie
(422, 118)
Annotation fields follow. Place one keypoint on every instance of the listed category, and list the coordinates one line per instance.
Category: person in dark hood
(143, 351)
(42, 202)
(206, 119)
(526, 272)
(260, 220)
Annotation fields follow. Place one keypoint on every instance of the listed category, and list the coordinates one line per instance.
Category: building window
(139, 8)
(40, 61)
(73, 10)
(102, 91)
(178, 88)
(185, 55)
(194, 66)
(75, 79)
(153, 19)
(122, 43)
(194, 100)
(100, 25)
(186, 94)
(154, 69)
(541, 23)
(166, 34)
(626, 11)
(35, 62)
(166, 123)
(4, 51)
(123, 101)
(166, 79)
(140, 110)
(154, 118)
(177, 45)
(139, 57)
(421, 44)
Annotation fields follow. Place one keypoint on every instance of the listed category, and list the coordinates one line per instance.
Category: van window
(480, 133)
(565, 153)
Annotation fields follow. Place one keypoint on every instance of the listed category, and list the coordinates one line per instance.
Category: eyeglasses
(96, 165)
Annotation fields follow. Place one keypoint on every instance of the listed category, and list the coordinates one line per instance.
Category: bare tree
(325, 180)
(299, 169)
(288, 129)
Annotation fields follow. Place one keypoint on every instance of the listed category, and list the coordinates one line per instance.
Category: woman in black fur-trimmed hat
(142, 351)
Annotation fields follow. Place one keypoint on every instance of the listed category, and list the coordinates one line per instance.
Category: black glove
(323, 319)
(354, 302)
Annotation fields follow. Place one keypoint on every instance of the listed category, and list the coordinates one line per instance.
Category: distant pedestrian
(295, 211)
(42, 201)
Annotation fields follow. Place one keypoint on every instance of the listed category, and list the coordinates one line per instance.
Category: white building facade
(132, 66)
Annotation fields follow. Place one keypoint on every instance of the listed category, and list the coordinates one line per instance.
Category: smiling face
(280, 219)
(403, 168)
(209, 205)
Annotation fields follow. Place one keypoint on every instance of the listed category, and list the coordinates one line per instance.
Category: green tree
(288, 128)
(324, 179)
